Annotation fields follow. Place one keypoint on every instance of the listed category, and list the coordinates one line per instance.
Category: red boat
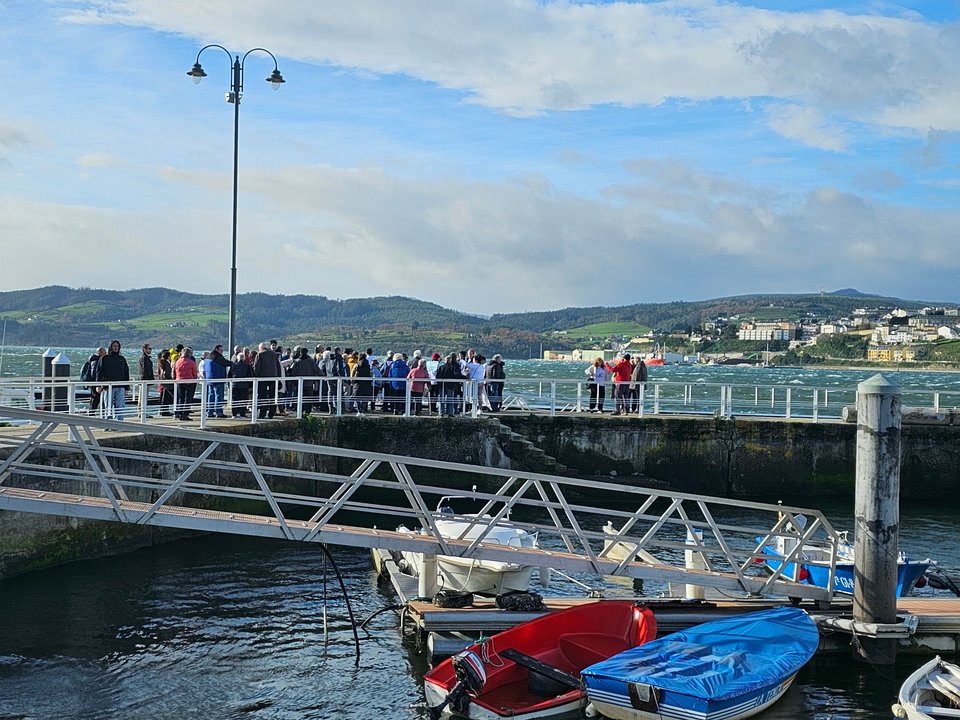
(533, 669)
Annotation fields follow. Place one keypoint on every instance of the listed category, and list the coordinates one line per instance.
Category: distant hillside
(679, 316)
(85, 316)
(62, 316)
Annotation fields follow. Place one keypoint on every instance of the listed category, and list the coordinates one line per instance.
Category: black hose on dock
(939, 580)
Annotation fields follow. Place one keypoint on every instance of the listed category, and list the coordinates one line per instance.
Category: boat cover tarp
(719, 659)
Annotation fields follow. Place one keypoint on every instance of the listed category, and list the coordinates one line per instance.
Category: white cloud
(495, 247)
(805, 125)
(526, 57)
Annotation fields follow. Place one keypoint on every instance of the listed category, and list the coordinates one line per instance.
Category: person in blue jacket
(215, 368)
(398, 382)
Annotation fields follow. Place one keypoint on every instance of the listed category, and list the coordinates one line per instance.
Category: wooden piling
(877, 513)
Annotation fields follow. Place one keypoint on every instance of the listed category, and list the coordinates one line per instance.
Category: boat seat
(557, 675)
(583, 649)
(943, 685)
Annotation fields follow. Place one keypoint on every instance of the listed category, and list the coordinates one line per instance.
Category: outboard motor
(471, 677)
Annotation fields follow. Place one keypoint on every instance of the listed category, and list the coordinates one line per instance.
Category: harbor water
(234, 627)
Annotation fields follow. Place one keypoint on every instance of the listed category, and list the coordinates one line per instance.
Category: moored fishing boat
(721, 670)
(532, 670)
(470, 575)
(930, 692)
(815, 560)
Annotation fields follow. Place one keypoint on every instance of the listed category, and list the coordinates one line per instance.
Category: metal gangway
(229, 482)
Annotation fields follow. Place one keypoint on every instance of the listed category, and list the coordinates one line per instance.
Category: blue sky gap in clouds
(489, 155)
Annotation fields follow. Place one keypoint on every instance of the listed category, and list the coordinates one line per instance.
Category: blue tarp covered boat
(722, 670)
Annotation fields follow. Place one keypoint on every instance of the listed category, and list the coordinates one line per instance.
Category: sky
(486, 155)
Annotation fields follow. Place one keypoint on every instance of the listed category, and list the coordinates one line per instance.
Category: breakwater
(713, 456)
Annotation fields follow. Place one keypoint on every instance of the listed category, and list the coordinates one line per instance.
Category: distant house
(895, 353)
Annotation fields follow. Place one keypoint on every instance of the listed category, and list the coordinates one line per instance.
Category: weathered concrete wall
(742, 458)
(735, 458)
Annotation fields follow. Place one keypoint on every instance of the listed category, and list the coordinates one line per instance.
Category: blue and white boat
(721, 670)
(814, 566)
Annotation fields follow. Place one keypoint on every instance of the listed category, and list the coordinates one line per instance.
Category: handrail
(65, 466)
(551, 397)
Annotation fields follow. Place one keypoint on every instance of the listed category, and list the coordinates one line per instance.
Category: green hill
(63, 316)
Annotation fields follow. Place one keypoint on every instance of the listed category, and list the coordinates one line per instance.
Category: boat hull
(673, 705)
(482, 577)
(564, 640)
(726, 669)
(818, 573)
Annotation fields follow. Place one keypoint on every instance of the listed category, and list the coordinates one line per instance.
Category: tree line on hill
(81, 317)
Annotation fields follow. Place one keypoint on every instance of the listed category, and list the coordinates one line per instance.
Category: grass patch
(186, 318)
(604, 330)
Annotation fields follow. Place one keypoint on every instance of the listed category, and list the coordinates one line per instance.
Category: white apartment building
(767, 331)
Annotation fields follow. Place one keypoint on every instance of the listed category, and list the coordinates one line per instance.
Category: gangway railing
(227, 482)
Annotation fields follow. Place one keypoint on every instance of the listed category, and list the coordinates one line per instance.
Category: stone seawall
(769, 459)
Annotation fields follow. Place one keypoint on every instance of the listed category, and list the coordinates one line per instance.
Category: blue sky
(487, 155)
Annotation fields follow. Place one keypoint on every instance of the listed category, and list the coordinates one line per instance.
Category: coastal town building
(767, 331)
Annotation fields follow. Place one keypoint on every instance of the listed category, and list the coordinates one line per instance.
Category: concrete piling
(877, 514)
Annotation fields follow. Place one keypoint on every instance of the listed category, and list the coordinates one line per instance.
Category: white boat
(483, 577)
(932, 691)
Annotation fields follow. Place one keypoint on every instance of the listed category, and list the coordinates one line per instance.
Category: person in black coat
(306, 367)
(241, 387)
(450, 379)
(113, 368)
(267, 368)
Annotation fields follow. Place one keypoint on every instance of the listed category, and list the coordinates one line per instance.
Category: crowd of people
(628, 374)
(334, 380)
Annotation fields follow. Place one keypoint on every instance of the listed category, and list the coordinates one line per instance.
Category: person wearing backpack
(88, 373)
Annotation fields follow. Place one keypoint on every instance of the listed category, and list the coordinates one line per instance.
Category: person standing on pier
(165, 372)
(638, 379)
(185, 369)
(399, 370)
(432, 365)
(450, 379)
(267, 368)
(622, 372)
(215, 368)
(113, 368)
(240, 388)
(145, 370)
(89, 372)
(494, 376)
(597, 383)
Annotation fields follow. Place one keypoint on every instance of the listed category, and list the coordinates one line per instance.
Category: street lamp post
(236, 92)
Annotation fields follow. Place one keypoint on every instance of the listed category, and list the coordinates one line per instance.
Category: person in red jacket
(185, 369)
(621, 377)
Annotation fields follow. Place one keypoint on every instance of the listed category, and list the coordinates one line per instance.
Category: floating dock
(929, 624)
